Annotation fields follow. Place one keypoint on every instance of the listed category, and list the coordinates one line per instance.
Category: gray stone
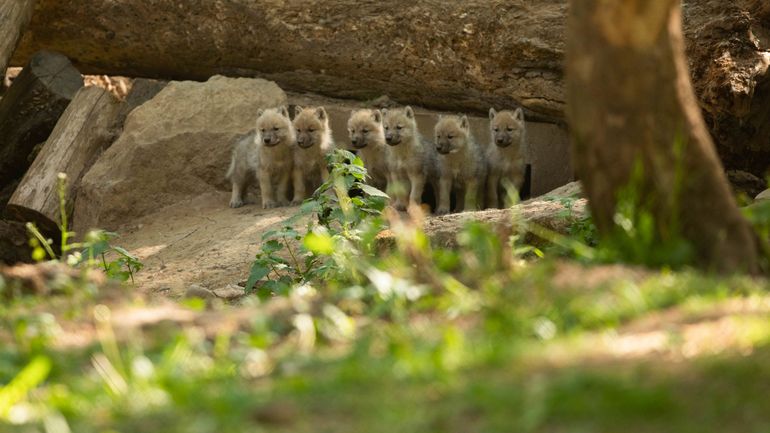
(174, 147)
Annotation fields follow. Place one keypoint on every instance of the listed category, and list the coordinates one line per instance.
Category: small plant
(344, 216)
(93, 252)
(637, 236)
(758, 215)
(96, 250)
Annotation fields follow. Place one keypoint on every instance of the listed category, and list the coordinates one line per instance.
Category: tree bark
(630, 101)
(30, 109)
(86, 128)
(14, 17)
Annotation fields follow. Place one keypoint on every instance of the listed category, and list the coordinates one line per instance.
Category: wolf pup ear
(384, 111)
(464, 122)
(518, 114)
(260, 112)
(377, 115)
(298, 109)
(320, 112)
(492, 113)
(409, 112)
(285, 111)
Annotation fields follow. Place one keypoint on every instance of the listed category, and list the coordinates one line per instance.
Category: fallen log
(551, 213)
(15, 15)
(86, 128)
(30, 109)
(457, 55)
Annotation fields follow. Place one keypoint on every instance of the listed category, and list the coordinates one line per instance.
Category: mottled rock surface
(174, 147)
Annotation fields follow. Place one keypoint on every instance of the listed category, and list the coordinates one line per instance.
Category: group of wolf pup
(284, 153)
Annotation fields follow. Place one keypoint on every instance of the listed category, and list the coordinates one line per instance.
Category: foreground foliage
(346, 335)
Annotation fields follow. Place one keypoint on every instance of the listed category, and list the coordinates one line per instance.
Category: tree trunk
(30, 109)
(14, 17)
(85, 129)
(630, 101)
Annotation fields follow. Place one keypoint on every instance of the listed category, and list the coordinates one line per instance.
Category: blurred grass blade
(28, 379)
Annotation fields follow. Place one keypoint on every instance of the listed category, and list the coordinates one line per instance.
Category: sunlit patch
(149, 251)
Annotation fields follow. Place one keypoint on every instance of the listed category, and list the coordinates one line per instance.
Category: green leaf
(277, 287)
(258, 271)
(272, 246)
(269, 234)
(123, 252)
(372, 191)
(319, 243)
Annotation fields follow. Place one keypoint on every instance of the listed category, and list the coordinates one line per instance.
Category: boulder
(729, 52)
(174, 147)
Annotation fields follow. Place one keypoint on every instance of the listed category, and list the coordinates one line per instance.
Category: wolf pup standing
(411, 159)
(275, 141)
(314, 142)
(368, 139)
(505, 154)
(243, 168)
(462, 165)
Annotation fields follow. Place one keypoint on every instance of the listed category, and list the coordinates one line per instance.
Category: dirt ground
(201, 241)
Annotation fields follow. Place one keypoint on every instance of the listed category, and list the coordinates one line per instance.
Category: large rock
(174, 147)
(729, 54)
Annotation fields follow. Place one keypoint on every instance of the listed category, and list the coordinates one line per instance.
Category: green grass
(422, 366)
(341, 336)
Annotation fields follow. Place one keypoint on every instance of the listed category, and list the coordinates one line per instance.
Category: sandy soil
(200, 241)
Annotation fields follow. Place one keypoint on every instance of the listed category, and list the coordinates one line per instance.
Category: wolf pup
(368, 139)
(314, 142)
(505, 154)
(411, 159)
(275, 141)
(243, 168)
(461, 163)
